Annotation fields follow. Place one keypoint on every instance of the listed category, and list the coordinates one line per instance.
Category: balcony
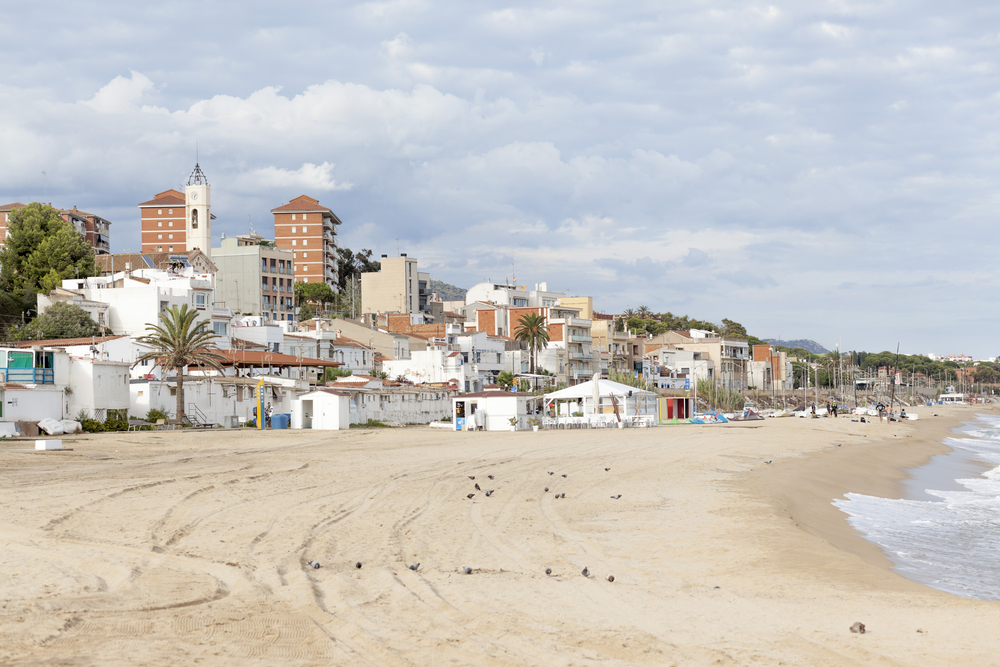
(581, 355)
(581, 339)
(581, 371)
(30, 375)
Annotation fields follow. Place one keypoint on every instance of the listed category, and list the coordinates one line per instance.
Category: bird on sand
(611, 578)
(546, 489)
(551, 473)
(564, 475)
(314, 565)
(548, 570)
(490, 476)
(470, 496)
(467, 570)
(358, 565)
(607, 470)
(562, 495)
(489, 493)
(617, 496)
(415, 566)
(472, 476)
(585, 572)
(477, 487)
(766, 461)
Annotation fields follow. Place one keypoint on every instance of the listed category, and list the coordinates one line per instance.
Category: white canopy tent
(597, 399)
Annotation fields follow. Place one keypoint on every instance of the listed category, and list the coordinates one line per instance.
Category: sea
(945, 531)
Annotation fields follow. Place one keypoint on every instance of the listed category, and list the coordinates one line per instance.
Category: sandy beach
(173, 548)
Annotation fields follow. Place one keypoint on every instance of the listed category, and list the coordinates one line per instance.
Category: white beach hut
(600, 403)
(322, 409)
(492, 410)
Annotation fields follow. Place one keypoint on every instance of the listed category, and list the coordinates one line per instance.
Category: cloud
(121, 95)
(307, 177)
(746, 160)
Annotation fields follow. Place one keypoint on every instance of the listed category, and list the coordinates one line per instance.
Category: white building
(324, 409)
(503, 294)
(135, 299)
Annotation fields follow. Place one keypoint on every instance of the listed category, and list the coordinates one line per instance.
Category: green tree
(178, 342)
(533, 331)
(505, 379)
(41, 250)
(331, 374)
(732, 329)
(64, 320)
(306, 312)
(352, 265)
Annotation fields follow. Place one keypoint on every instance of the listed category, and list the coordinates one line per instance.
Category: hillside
(804, 343)
(447, 292)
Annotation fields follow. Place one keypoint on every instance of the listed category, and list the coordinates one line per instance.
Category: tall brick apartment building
(310, 231)
(93, 228)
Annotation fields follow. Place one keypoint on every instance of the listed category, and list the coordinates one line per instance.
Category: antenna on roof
(250, 222)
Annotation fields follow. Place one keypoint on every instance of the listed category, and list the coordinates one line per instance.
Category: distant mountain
(447, 292)
(805, 344)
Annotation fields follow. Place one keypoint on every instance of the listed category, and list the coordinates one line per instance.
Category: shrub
(155, 413)
(92, 426)
(371, 424)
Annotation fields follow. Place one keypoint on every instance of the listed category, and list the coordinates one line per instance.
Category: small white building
(492, 410)
(324, 409)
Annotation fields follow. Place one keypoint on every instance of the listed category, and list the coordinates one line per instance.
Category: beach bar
(600, 404)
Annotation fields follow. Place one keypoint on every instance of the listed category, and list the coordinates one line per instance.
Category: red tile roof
(301, 203)
(11, 207)
(263, 358)
(64, 342)
(166, 198)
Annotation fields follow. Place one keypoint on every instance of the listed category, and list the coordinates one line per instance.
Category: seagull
(585, 572)
(548, 570)
(607, 470)
(546, 489)
(766, 461)
(489, 493)
(617, 496)
(314, 565)
(467, 570)
(551, 473)
(470, 496)
(564, 475)
(611, 577)
(472, 476)
(358, 565)
(477, 487)
(415, 566)
(490, 476)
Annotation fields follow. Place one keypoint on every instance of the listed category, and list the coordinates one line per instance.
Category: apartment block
(310, 232)
(175, 221)
(255, 278)
(93, 228)
(398, 287)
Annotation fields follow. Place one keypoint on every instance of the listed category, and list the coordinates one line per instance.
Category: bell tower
(198, 216)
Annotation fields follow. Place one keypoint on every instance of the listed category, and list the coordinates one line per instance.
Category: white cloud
(121, 95)
(307, 177)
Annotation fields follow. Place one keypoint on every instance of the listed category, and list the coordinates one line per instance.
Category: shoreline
(878, 467)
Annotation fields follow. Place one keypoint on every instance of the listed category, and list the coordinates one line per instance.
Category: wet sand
(193, 548)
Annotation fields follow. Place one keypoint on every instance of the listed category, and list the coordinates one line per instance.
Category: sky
(821, 170)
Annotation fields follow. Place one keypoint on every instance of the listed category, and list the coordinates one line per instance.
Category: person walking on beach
(881, 411)
(834, 406)
(268, 411)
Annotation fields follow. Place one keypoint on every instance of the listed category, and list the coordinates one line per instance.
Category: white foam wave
(950, 543)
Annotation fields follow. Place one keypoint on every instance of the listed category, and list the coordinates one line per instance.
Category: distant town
(295, 321)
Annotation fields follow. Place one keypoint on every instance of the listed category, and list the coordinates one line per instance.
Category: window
(267, 302)
(194, 219)
(219, 328)
(263, 283)
(303, 226)
(274, 266)
(159, 211)
(171, 248)
(281, 284)
(294, 242)
(304, 255)
(294, 229)
(159, 237)
(305, 241)
(170, 236)
(293, 217)
(303, 217)
(267, 316)
(170, 211)
(159, 248)
(263, 265)
(159, 224)
(170, 223)
(199, 300)
(281, 266)
(305, 268)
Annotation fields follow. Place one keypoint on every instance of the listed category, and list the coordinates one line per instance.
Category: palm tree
(629, 313)
(179, 342)
(644, 312)
(532, 330)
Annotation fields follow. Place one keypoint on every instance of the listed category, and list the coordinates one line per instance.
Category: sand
(193, 548)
